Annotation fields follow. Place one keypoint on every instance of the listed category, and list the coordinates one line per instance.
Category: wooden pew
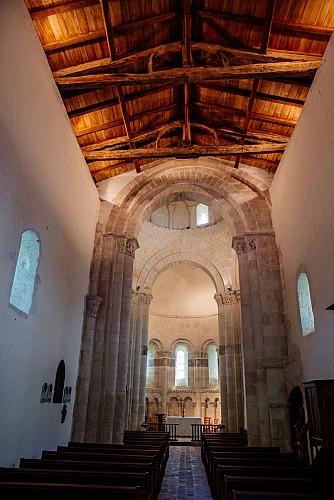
(279, 495)
(110, 478)
(272, 483)
(249, 461)
(127, 467)
(123, 448)
(119, 456)
(71, 491)
(255, 471)
(249, 456)
(253, 451)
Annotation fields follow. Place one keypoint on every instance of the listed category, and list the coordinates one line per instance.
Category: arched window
(150, 363)
(213, 365)
(305, 304)
(181, 366)
(25, 272)
(202, 215)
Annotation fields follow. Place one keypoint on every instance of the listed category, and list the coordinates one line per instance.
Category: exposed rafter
(159, 79)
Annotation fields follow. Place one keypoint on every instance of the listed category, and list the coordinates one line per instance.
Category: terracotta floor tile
(185, 475)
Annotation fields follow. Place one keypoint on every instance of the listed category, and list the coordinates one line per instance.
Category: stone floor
(185, 475)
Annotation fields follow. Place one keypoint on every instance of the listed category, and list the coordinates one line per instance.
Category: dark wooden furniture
(319, 397)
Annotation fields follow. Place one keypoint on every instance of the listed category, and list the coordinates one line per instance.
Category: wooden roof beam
(187, 62)
(193, 75)
(277, 25)
(264, 44)
(113, 54)
(181, 152)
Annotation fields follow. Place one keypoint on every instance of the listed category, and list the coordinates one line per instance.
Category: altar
(184, 424)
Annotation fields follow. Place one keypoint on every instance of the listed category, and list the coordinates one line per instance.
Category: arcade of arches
(158, 282)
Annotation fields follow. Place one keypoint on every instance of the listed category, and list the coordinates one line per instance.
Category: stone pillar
(238, 362)
(229, 370)
(134, 365)
(163, 363)
(123, 278)
(85, 368)
(230, 367)
(143, 310)
(251, 349)
(262, 319)
(100, 280)
(222, 358)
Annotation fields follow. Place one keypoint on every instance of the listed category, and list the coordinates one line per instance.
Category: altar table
(184, 424)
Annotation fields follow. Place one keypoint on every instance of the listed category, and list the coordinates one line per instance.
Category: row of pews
(131, 470)
(237, 471)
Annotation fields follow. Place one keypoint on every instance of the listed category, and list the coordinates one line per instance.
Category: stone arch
(235, 195)
(182, 341)
(168, 257)
(242, 200)
(206, 344)
(157, 343)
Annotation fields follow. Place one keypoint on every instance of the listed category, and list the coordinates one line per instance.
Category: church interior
(166, 215)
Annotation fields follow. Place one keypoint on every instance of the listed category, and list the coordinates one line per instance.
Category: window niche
(305, 304)
(25, 272)
(181, 366)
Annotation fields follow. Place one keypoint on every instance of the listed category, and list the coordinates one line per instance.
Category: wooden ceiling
(149, 79)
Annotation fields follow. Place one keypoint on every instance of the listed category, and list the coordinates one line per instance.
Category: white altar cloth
(184, 427)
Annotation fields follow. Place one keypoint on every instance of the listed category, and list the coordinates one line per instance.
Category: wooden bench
(63, 491)
(279, 495)
(119, 456)
(247, 461)
(248, 456)
(123, 448)
(87, 466)
(110, 478)
(213, 452)
(254, 471)
(272, 483)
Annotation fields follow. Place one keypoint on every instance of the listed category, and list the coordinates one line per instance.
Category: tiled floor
(185, 475)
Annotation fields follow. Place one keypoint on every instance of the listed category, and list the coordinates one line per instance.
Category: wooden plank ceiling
(148, 79)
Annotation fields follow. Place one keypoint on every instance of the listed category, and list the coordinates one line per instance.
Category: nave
(185, 475)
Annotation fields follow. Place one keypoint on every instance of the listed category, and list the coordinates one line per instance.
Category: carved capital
(223, 299)
(219, 299)
(163, 354)
(131, 247)
(144, 298)
(121, 242)
(93, 305)
(243, 245)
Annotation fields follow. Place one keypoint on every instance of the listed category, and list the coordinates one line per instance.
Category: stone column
(262, 319)
(163, 362)
(230, 367)
(100, 282)
(126, 254)
(222, 358)
(143, 310)
(238, 362)
(242, 248)
(85, 368)
(134, 364)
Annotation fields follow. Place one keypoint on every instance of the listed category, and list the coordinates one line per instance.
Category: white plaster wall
(44, 185)
(302, 196)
